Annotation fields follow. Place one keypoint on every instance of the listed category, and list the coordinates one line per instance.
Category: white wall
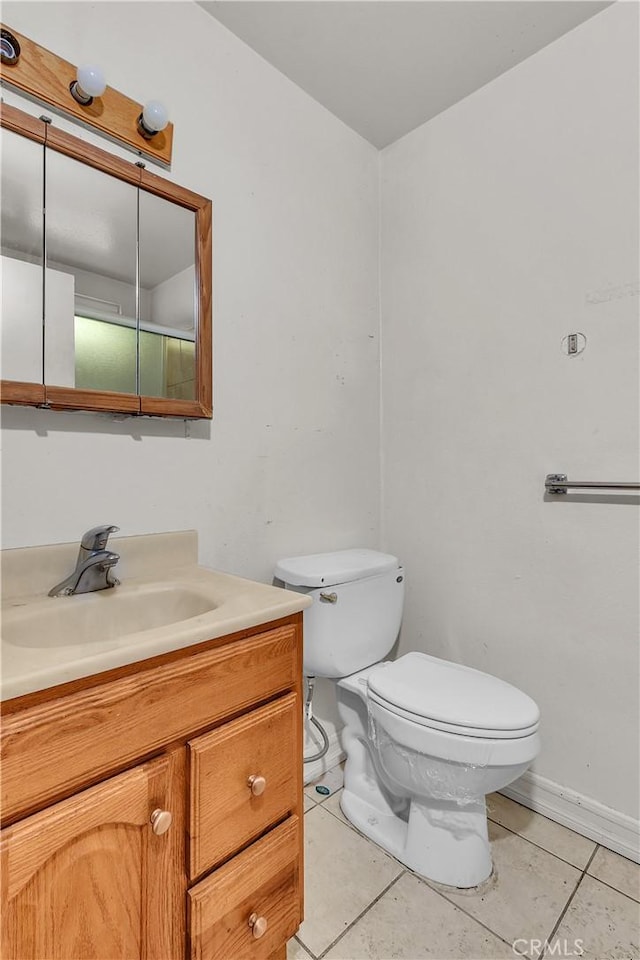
(290, 463)
(501, 220)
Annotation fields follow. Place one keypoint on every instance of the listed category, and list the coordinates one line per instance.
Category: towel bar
(557, 483)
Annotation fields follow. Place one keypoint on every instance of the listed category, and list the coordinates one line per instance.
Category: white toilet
(425, 739)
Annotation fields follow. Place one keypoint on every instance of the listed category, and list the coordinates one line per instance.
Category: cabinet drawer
(50, 750)
(229, 768)
(262, 882)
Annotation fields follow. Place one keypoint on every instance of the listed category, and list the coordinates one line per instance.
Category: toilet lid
(452, 694)
(329, 569)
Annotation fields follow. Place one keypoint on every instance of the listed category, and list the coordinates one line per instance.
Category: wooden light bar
(43, 76)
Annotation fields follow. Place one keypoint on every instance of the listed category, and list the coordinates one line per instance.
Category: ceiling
(386, 66)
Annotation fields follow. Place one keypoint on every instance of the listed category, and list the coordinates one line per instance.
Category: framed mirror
(119, 285)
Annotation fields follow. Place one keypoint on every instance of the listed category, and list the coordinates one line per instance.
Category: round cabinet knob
(257, 785)
(160, 821)
(258, 925)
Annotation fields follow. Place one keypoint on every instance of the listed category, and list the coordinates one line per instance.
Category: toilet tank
(356, 612)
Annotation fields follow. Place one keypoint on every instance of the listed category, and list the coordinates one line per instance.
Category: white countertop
(46, 641)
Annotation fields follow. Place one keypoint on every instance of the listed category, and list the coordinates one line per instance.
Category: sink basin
(165, 602)
(106, 615)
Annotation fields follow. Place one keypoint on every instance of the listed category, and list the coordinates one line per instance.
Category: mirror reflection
(167, 299)
(21, 230)
(106, 295)
(91, 308)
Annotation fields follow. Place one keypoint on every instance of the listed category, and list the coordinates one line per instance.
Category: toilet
(425, 739)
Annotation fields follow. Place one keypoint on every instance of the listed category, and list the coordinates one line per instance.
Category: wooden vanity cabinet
(156, 811)
(88, 877)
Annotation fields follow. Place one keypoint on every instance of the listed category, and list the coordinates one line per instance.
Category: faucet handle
(96, 538)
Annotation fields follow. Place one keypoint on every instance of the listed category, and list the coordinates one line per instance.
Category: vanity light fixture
(90, 83)
(81, 94)
(153, 119)
(10, 48)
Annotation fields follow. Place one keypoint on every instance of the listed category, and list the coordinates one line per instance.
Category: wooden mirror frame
(70, 398)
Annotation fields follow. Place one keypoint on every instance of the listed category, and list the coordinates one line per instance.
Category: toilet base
(440, 840)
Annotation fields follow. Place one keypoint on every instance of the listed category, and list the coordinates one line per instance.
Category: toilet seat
(486, 733)
(453, 698)
(464, 746)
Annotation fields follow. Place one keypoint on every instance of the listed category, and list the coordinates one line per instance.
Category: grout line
(324, 799)
(328, 796)
(347, 823)
(304, 947)
(360, 915)
(453, 903)
(546, 849)
(569, 901)
(592, 857)
(615, 889)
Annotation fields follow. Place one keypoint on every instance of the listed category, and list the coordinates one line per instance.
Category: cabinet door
(89, 879)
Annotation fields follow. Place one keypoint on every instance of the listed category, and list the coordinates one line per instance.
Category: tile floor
(550, 886)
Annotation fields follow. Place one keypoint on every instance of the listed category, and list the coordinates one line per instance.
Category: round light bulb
(91, 80)
(155, 116)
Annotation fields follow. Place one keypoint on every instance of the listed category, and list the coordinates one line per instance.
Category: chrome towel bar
(557, 483)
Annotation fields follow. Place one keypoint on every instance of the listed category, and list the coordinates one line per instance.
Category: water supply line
(308, 715)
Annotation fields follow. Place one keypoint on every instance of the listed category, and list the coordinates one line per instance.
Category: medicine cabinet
(106, 279)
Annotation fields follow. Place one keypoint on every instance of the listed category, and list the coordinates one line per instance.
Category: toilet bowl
(416, 785)
(425, 739)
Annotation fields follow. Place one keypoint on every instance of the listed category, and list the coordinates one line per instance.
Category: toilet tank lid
(327, 569)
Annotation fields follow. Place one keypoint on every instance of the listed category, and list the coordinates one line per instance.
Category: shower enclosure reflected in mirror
(167, 285)
(107, 298)
(91, 310)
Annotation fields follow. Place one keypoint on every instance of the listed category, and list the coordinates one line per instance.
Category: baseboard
(613, 830)
(333, 756)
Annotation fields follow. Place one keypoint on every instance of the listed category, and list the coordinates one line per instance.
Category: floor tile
(343, 874)
(311, 795)
(332, 781)
(411, 922)
(527, 892)
(295, 951)
(545, 833)
(309, 804)
(332, 804)
(606, 923)
(618, 872)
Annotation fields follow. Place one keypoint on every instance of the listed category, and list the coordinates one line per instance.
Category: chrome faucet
(94, 565)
